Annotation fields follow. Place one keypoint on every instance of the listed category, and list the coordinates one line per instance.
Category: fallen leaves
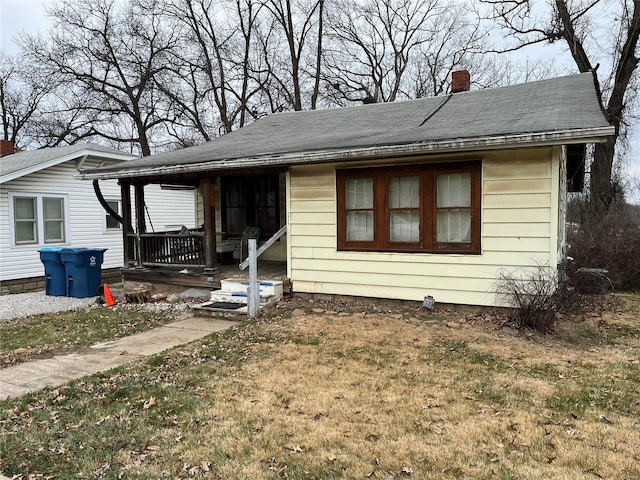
(421, 400)
(149, 403)
(604, 419)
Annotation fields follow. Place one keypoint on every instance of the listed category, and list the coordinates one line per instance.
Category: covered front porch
(196, 277)
(230, 210)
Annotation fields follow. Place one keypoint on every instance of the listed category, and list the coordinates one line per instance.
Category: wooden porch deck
(196, 277)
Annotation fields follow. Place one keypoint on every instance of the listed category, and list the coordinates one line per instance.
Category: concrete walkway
(32, 376)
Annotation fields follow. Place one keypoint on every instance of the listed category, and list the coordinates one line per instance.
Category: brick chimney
(6, 147)
(460, 81)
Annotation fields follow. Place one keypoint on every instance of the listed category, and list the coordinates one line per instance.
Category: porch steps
(231, 299)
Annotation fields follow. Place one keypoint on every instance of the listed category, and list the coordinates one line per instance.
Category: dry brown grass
(377, 397)
(336, 393)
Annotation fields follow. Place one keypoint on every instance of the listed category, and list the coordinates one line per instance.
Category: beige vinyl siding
(517, 215)
(86, 217)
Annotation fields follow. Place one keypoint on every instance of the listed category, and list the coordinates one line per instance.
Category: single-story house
(433, 196)
(43, 205)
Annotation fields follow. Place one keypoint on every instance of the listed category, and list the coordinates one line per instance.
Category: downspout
(105, 205)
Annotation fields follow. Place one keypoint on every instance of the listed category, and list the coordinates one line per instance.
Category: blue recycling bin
(83, 270)
(55, 278)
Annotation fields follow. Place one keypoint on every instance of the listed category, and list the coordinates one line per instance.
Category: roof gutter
(588, 135)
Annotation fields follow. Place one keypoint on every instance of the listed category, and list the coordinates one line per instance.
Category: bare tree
(458, 40)
(374, 43)
(576, 24)
(22, 94)
(213, 79)
(386, 50)
(64, 118)
(113, 53)
(290, 75)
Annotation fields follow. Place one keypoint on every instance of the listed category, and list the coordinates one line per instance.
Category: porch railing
(253, 292)
(168, 249)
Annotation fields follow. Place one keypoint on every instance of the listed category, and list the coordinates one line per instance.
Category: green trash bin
(83, 267)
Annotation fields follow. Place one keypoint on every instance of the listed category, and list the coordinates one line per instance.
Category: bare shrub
(608, 240)
(535, 296)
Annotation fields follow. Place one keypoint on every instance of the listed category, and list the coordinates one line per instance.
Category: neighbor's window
(25, 221)
(53, 209)
(110, 222)
(38, 219)
(252, 201)
(422, 208)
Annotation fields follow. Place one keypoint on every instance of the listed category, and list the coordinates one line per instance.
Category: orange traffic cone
(108, 296)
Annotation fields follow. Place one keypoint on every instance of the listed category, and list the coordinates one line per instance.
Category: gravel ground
(24, 304)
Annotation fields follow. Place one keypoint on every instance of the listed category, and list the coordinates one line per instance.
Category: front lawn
(45, 335)
(324, 391)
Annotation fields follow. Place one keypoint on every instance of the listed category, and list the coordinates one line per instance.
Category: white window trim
(105, 213)
(39, 218)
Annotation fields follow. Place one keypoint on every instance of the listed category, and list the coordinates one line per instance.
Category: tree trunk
(603, 188)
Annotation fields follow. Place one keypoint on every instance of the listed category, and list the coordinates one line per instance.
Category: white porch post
(253, 294)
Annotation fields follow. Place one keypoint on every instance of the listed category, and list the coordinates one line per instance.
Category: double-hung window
(25, 220)
(53, 219)
(419, 208)
(38, 218)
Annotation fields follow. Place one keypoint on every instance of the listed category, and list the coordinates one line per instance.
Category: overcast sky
(19, 15)
(29, 16)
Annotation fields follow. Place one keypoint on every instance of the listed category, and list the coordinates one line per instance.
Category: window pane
(360, 226)
(267, 219)
(359, 193)
(236, 220)
(53, 211)
(233, 190)
(24, 213)
(24, 208)
(53, 231)
(454, 190)
(250, 202)
(404, 226)
(454, 225)
(265, 195)
(25, 232)
(112, 223)
(404, 192)
(265, 192)
(52, 208)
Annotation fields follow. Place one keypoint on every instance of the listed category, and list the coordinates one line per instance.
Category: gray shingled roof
(18, 164)
(564, 109)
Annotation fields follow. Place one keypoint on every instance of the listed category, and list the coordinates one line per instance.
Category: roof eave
(86, 152)
(589, 135)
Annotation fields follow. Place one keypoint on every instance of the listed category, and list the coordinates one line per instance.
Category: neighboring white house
(42, 205)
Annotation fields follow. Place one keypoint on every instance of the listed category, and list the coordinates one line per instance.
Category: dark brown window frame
(427, 174)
